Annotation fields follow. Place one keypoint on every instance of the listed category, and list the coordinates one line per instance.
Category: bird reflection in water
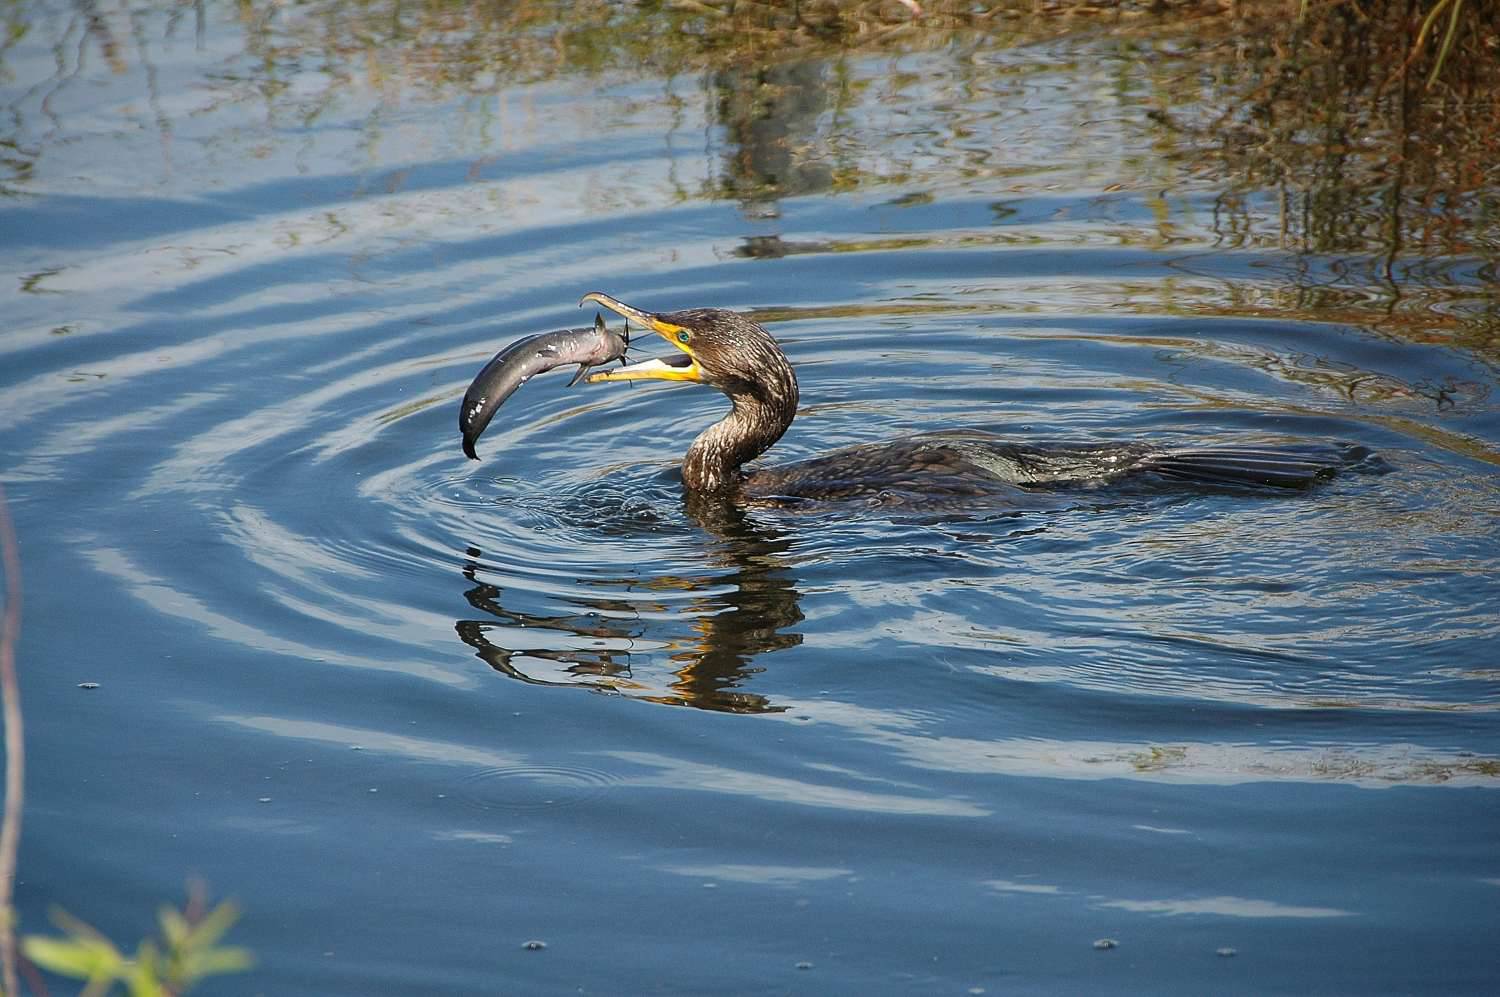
(711, 645)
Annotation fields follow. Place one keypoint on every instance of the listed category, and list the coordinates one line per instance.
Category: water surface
(413, 711)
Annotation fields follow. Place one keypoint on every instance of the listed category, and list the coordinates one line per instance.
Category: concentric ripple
(532, 789)
(301, 448)
(438, 723)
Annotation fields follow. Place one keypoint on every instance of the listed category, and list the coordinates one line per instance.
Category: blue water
(413, 712)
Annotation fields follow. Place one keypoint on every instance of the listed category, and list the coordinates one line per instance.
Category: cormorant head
(721, 348)
(734, 354)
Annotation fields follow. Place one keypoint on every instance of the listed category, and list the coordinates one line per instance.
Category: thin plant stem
(1442, 55)
(1430, 19)
(15, 752)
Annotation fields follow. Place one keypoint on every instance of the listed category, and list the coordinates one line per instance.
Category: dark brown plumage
(734, 354)
(741, 359)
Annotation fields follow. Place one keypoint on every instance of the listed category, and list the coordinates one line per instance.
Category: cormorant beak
(683, 368)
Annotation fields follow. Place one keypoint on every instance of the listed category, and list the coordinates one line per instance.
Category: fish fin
(583, 369)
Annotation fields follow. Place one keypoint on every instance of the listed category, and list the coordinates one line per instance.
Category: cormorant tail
(1273, 467)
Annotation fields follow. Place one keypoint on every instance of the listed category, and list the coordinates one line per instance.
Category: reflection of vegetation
(1372, 135)
(1330, 126)
(1375, 123)
(475, 45)
(1155, 759)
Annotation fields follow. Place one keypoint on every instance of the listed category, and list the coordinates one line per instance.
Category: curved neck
(762, 411)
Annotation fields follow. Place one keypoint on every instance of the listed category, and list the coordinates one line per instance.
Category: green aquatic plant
(187, 952)
(188, 949)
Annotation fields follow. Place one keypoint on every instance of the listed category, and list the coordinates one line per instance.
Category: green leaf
(174, 927)
(143, 979)
(80, 958)
(148, 955)
(215, 923)
(212, 962)
(73, 926)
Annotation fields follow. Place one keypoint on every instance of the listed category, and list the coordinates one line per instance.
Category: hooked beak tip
(620, 308)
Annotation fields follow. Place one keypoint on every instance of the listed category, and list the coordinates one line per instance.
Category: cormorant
(729, 351)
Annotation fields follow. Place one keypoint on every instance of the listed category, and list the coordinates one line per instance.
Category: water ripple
(314, 460)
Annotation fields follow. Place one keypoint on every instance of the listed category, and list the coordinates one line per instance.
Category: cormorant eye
(683, 335)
